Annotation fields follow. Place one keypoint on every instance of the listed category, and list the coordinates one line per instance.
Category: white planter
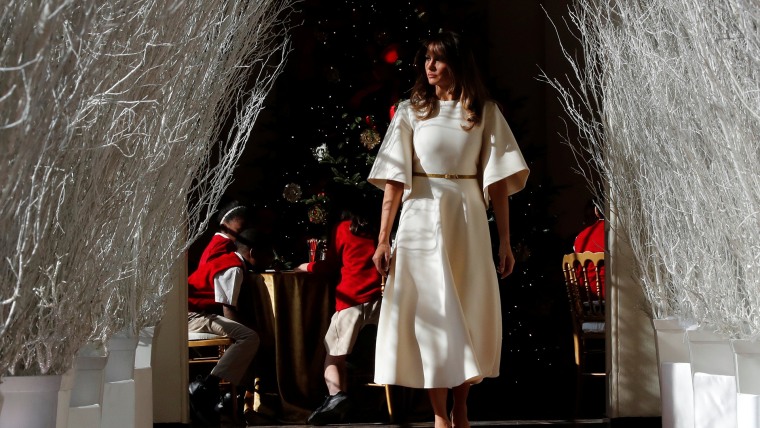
(29, 401)
(676, 388)
(714, 377)
(747, 359)
(119, 388)
(144, 347)
(90, 369)
(121, 357)
(64, 397)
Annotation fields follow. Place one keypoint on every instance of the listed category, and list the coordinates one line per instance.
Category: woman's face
(437, 71)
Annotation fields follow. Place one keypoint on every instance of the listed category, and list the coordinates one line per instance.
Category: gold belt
(449, 176)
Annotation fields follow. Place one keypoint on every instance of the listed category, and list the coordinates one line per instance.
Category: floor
(553, 415)
(524, 424)
(584, 423)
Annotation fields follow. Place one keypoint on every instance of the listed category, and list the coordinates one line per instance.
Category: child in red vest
(357, 296)
(213, 307)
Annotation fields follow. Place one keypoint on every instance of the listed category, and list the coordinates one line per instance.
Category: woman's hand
(506, 260)
(382, 258)
(303, 267)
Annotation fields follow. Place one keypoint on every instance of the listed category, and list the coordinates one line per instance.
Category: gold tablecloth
(290, 312)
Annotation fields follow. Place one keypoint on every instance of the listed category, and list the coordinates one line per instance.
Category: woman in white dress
(448, 152)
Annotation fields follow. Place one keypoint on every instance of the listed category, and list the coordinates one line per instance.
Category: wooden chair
(208, 348)
(584, 279)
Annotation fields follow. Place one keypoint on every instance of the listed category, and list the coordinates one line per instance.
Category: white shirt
(227, 284)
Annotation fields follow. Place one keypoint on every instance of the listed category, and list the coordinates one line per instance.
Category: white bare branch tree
(117, 146)
(667, 100)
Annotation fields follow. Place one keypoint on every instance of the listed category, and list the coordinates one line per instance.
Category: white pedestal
(714, 377)
(118, 404)
(714, 401)
(29, 401)
(747, 359)
(677, 395)
(676, 388)
(748, 410)
(85, 416)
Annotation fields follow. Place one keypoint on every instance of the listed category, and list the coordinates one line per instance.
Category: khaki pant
(346, 324)
(235, 362)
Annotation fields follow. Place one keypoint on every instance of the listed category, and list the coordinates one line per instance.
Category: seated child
(214, 307)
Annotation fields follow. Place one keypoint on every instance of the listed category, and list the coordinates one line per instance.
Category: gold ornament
(292, 192)
(370, 138)
(317, 215)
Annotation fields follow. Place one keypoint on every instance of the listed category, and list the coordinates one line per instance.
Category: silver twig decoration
(116, 148)
(667, 99)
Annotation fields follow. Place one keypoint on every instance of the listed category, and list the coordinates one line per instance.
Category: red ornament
(392, 111)
(390, 54)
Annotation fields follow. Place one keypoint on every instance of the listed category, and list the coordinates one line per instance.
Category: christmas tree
(351, 68)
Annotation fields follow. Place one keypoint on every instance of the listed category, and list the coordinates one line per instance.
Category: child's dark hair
(231, 211)
(360, 224)
(350, 203)
(251, 239)
(259, 244)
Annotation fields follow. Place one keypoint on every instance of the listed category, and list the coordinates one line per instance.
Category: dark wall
(524, 44)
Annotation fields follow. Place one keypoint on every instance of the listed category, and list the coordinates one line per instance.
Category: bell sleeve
(394, 159)
(500, 157)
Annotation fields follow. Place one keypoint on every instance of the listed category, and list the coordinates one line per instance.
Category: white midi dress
(440, 319)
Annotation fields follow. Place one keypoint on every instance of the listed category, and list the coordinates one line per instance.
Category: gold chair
(361, 364)
(206, 340)
(584, 279)
(208, 348)
(388, 401)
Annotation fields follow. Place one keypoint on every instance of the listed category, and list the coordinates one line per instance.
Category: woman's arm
(391, 201)
(500, 201)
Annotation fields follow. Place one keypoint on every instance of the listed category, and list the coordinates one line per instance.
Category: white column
(169, 359)
(633, 383)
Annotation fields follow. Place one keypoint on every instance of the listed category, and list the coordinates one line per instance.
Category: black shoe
(203, 400)
(332, 411)
(224, 405)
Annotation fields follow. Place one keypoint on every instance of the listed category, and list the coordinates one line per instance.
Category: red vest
(216, 247)
(200, 291)
(352, 256)
(592, 239)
